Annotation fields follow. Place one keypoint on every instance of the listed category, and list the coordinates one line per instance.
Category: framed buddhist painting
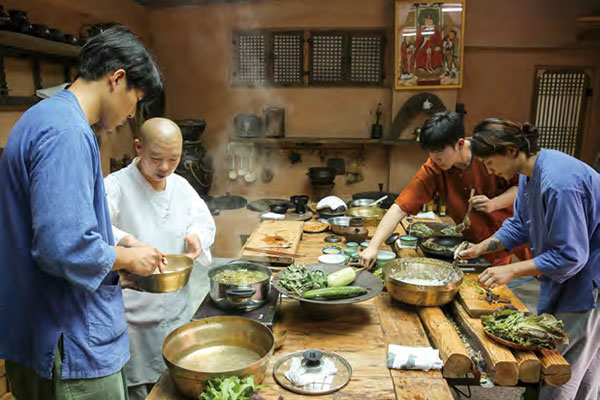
(429, 44)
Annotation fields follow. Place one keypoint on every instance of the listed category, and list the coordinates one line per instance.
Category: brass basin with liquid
(215, 347)
(422, 268)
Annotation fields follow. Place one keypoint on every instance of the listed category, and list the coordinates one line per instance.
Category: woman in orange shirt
(452, 171)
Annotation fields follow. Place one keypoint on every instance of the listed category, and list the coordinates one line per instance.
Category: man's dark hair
(441, 130)
(117, 48)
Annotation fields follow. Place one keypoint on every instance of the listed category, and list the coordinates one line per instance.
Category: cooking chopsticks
(273, 252)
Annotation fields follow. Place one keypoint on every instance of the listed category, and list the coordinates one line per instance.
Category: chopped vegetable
(298, 279)
(450, 230)
(527, 330)
(335, 292)
(241, 276)
(230, 388)
(343, 277)
(420, 229)
(432, 245)
(379, 273)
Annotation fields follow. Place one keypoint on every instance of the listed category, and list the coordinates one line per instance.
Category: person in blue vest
(557, 210)
(64, 334)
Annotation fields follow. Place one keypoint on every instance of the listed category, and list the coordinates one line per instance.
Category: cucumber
(335, 292)
(343, 277)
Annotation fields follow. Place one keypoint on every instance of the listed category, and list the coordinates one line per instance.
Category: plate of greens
(327, 284)
(514, 329)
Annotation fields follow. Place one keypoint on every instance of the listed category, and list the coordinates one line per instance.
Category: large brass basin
(215, 347)
(422, 268)
(371, 215)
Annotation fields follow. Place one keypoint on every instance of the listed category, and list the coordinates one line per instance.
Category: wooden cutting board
(472, 300)
(274, 233)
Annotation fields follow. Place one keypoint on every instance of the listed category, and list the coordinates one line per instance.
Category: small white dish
(332, 259)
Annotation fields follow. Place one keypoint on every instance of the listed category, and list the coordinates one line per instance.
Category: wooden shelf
(18, 101)
(319, 143)
(593, 20)
(34, 45)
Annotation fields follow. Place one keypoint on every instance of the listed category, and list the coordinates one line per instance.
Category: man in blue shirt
(63, 323)
(557, 210)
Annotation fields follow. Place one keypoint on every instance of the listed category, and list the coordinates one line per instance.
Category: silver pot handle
(242, 293)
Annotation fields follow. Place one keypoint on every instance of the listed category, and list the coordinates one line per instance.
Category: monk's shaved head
(159, 147)
(160, 129)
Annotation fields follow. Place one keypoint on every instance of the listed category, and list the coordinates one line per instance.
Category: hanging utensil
(232, 172)
(250, 174)
(462, 226)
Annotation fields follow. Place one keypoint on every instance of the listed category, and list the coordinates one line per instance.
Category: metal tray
(364, 279)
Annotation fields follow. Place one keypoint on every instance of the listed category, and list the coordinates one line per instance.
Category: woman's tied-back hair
(494, 136)
(118, 48)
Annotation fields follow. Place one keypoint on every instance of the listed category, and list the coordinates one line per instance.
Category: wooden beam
(555, 369)
(530, 367)
(501, 364)
(443, 335)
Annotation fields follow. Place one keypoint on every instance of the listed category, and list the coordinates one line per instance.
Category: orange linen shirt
(454, 187)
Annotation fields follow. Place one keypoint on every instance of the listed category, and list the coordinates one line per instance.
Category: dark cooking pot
(279, 208)
(240, 297)
(20, 21)
(56, 35)
(191, 129)
(40, 31)
(300, 202)
(5, 22)
(321, 175)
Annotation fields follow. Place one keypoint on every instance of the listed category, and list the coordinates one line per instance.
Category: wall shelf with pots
(38, 46)
(319, 143)
(38, 50)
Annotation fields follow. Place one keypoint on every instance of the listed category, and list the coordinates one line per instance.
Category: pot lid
(316, 362)
(228, 202)
(262, 205)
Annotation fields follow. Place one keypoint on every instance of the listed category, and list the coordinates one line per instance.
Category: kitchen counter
(360, 333)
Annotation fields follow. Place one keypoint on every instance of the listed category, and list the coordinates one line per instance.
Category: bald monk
(150, 205)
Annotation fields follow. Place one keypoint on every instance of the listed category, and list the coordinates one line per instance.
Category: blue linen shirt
(55, 238)
(557, 211)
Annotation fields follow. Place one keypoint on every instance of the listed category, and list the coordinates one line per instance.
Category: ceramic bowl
(331, 250)
(332, 259)
(383, 256)
(408, 240)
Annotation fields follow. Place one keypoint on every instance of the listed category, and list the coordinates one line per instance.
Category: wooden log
(530, 367)
(7, 396)
(3, 385)
(2, 367)
(501, 364)
(443, 335)
(555, 369)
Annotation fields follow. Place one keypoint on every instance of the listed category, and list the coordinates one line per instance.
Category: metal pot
(240, 297)
(247, 125)
(205, 349)
(176, 275)
(339, 224)
(425, 268)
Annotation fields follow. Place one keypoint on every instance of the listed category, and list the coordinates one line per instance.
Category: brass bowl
(176, 275)
(217, 347)
(424, 268)
(371, 215)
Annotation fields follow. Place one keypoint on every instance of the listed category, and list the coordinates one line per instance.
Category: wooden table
(360, 333)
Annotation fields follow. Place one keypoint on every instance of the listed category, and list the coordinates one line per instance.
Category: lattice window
(328, 58)
(288, 56)
(366, 61)
(559, 106)
(251, 58)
